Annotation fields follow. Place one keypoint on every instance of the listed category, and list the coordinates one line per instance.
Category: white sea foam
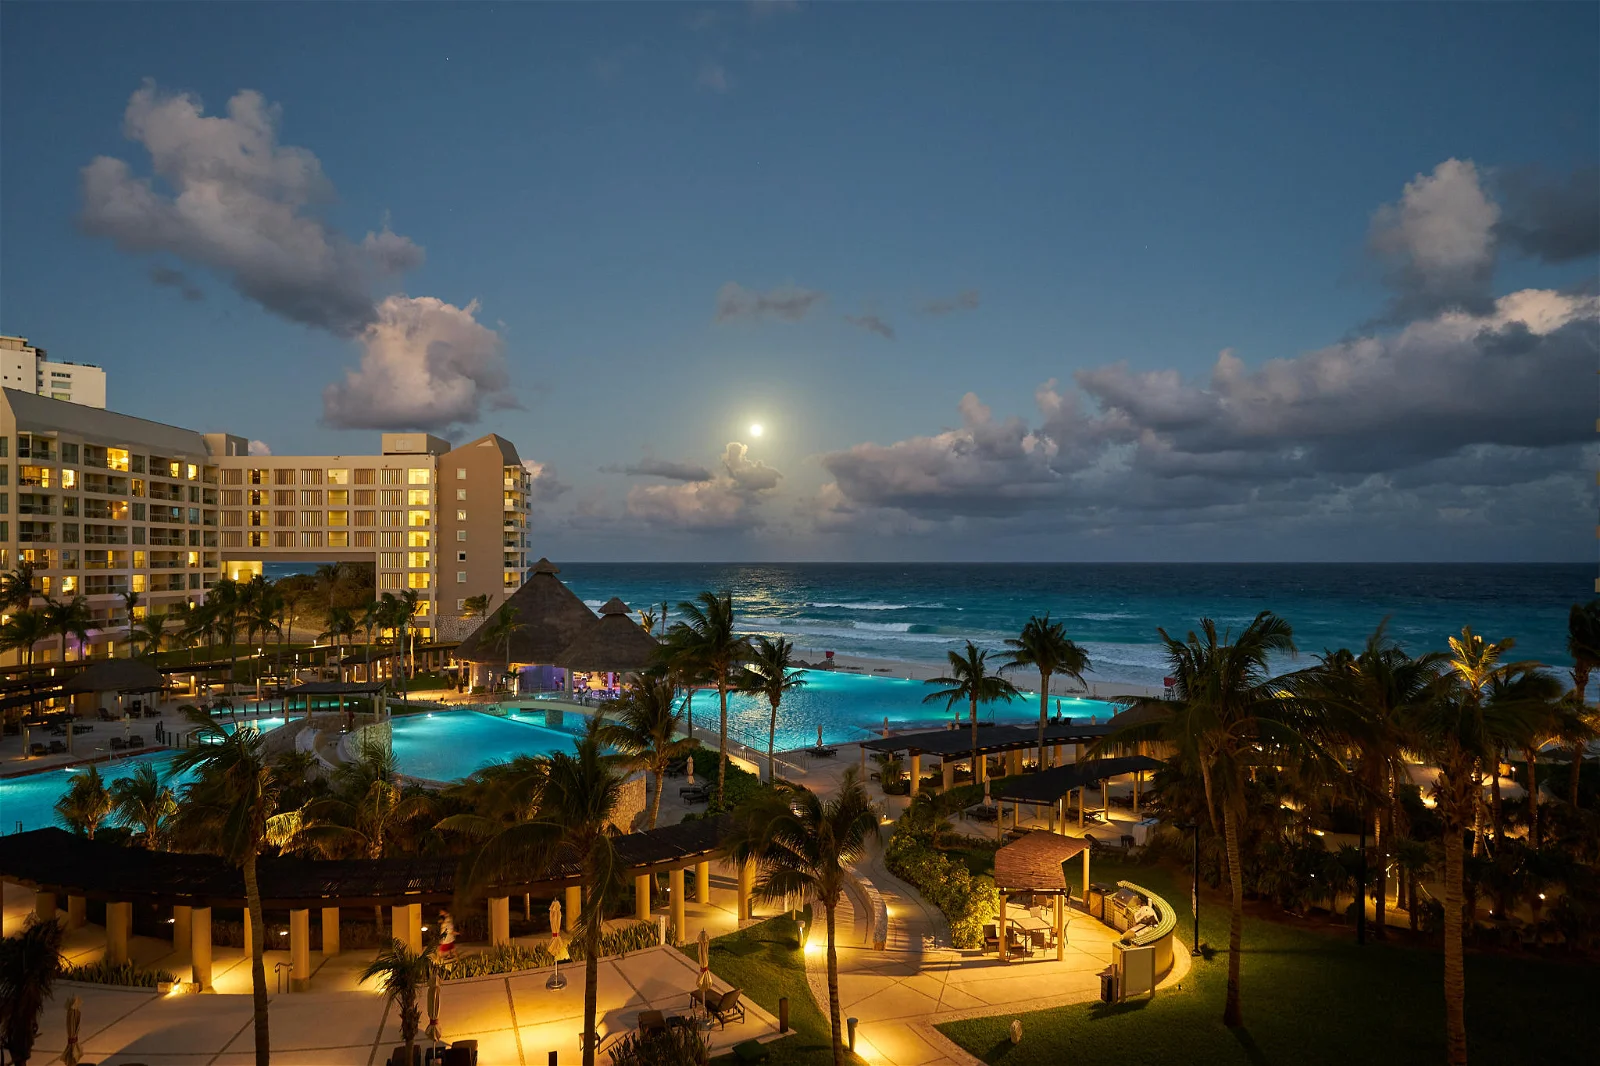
(1106, 616)
(873, 605)
(882, 627)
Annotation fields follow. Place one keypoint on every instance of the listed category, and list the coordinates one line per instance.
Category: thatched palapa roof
(617, 644)
(552, 618)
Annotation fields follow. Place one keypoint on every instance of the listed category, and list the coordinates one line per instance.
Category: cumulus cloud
(546, 485)
(176, 279)
(1550, 218)
(965, 300)
(790, 303)
(1422, 422)
(670, 469)
(425, 365)
(712, 76)
(872, 324)
(258, 447)
(1437, 242)
(234, 200)
(727, 500)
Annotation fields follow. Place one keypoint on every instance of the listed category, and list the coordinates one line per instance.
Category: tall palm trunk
(591, 984)
(1044, 714)
(975, 775)
(1494, 811)
(722, 738)
(1580, 682)
(833, 991)
(1455, 977)
(655, 800)
(1531, 754)
(258, 969)
(1380, 844)
(1232, 1012)
(772, 737)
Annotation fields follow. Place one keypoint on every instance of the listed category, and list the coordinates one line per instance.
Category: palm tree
(1366, 701)
(341, 626)
(22, 632)
(30, 962)
(130, 600)
(476, 606)
(647, 619)
(506, 624)
(369, 806)
(85, 805)
(16, 587)
(144, 803)
(331, 579)
(1043, 645)
(706, 637)
(572, 831)
(771, 666)
(150, 631)
(405, 609)
(643, 725)
(69, 618)
(1462, 731)
(372, 618)
(1583, 644)
(235, 802)
(1228, 716)
(404, 974)
(803, 847)
(226, 604)
(970, 679)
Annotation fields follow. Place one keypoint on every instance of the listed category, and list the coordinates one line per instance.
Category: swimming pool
(449, 745)
(851, 707)
(30, 799)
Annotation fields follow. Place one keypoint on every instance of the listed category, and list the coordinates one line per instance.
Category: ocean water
(918, 612)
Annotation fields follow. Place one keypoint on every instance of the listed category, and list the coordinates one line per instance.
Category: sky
(998, 282)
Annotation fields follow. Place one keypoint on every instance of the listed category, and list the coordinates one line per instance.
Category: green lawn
(1311, 995)
(765, 962)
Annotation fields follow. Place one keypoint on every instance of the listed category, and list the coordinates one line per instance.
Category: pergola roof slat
(1048, 786)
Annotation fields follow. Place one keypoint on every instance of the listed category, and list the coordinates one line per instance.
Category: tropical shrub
(121, 973)
(509, 958)
(674, 1046)
(967, 902)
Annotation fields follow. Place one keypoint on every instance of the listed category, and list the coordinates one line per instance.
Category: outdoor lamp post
(1194, 885)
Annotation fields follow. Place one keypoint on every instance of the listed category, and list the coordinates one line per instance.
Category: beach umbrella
(689, 763)
(987, 802)
(558, 946)
(73, 1054)
(705, 960)
(433, 1004)
(819, 736)
(886, 727)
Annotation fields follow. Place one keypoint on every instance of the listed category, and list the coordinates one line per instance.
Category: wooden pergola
(1034, 864)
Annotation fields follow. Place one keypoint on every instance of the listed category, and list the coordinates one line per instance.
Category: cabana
(617, 646)
(552, 619)
(337, 692)
(1052, 787)
(1033, 864)
(952, 746)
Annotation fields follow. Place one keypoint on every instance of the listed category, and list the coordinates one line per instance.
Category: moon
(755, 429)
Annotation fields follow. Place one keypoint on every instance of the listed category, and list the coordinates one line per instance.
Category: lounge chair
(721, 1006)
(118, 744)
(38, 749)
(652, 1021)
(397, 1057)
(695, 793)
(57, 748)
(106, 715)
(822, 753)
(136, 741)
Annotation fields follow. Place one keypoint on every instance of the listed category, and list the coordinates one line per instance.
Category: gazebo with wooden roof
(553, 618)
(1033, 864)
(618, 645)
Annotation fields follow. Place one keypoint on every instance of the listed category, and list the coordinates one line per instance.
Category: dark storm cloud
(1551, 218)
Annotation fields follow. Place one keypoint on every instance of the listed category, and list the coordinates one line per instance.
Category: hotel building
(104, 504)
(449, 522)
(29, 369)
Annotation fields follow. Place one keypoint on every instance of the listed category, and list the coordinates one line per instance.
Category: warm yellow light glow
(755, 429)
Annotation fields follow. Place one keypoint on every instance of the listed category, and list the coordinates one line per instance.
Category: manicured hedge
(125, 973)
(508, 958)
(966, 901)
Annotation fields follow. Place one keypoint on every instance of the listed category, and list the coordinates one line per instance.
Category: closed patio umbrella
(433, 1004)
(558, 947)
(705, 960)
(689, 763)
(73, 1054)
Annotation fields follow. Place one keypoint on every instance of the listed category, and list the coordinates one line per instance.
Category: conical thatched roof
(116, 675)
(552, 618)
(617, 643)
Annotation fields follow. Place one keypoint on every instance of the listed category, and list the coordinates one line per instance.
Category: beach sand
(1063, 687)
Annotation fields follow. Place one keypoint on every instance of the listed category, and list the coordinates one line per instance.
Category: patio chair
(723, 1008)
(106, 715)
(57, 748)
(469, 1048)
(991, 937)
(38, 749)
(136, 741)
(397, 1057)
(118, 744)
(695, 793)
(651, 1022)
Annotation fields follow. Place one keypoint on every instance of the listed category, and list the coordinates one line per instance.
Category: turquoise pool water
(28, 802)
(449, 745)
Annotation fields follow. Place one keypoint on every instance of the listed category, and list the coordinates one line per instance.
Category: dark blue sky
(1018, 193)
